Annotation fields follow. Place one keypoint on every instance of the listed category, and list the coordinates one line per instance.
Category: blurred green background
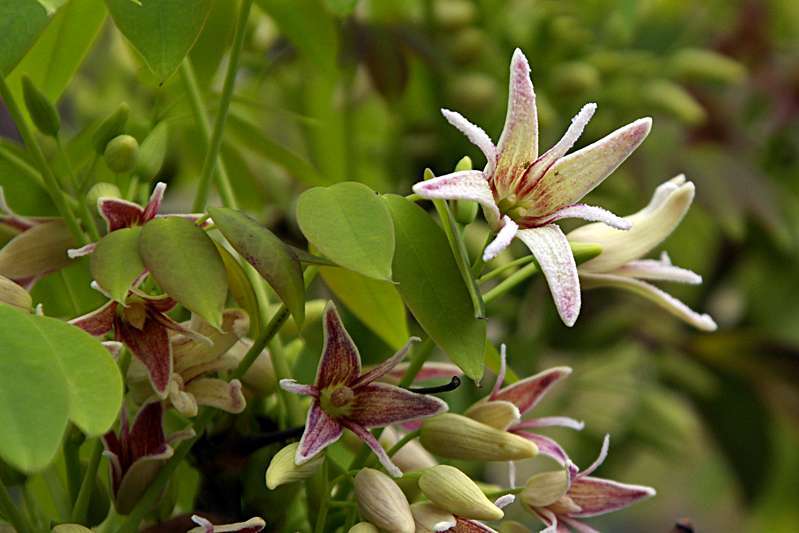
(333, 90)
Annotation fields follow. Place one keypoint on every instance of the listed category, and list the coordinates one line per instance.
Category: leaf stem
(223, 184)
(53, 189)
(511, 281)
(420, 354)
(408, 437)
(72, 462)
(85, 213)
(321, 517)
(12, 512)
(86, 488)
(504, 268)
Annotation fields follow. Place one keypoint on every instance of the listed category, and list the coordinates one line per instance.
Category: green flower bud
(153, 152)
(282, 468)
(497, 414)
(121, 154)
(13, 294)
(71, 528)
(42, 112)
(382, 503)
(673, 99)
(459, 437)
(545, 488)
(454, 14)
(576, 77)
(113, 125)
(453, 491)
(363, 527)
(37, 251)
(102, 189)
(706, 65)
(465, 211)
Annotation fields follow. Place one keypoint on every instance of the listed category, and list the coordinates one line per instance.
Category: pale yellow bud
(545, 488)
(363, 527)
(70, 528)
(431, 519)
(382, 503)
(497, 414)
(260, 377)
(13, 294)
(410, 457)
(282, 469)
(459, 437)
(452, 490)
(41, 249)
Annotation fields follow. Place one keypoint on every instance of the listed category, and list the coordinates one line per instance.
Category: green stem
(321, 517)
(477, 266)
(12, 512)
(55, 192)
(22, 165)
(72, 462)
(223, 185)
(499, 493)
(85, 213)
(504, 268)
(408, 437)
(511, 281)
(420, 354)
(89, 480)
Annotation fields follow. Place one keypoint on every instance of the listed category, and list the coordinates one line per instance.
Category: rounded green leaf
(376, 303)
(270, 257)
(163, 32)
(115, 263)
(20, 24)
(350, 225)
(50, 373)
(433, 288)
(185, 263)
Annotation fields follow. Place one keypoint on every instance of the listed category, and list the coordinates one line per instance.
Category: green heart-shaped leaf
(50, 373)
(433, 288)
(162, 31)
(349, 224)
(115, 263)
(185, 263)
(270, 257)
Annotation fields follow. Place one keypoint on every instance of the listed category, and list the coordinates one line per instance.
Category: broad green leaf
(21, 21)
(432, 287)
(185, 263)
(240, 288)
(350, 225)
(163, 31)
(270, 257)
(50, 373)
(52, 62)
(214, 40)
(115, 263)
(376, 303)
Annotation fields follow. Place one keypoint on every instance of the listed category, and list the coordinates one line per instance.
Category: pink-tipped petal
(502, 240)
(430, 370)
(586, 212)
(463, 185)
(320, 432)
(503, 368)
(550, 520)
(518, 144)
(297, 388)
(97, 322)
(381, 404)
(74, 253)
(528, 181)
(504, 501)
(476, 135)
(526, 393)
(118, 213)
(603, 454)
(701, 321)
(553, 254)
(340, 361)
(386, 366)
(546, 446)
(151, 346)
(551, 421)
(370, 440)
(597, 496)
(464, 525)
(658, 270)
(253, 525)
(577, 174)
(152, 207)
(147, 433)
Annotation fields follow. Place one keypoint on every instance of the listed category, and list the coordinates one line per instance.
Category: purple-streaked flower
(137, 453)
(581, 496)
(344, 397)
(523, 193)
(519, 399)
(620, 264)
(195, 362)
(429, 518)
(143, 326)
(38, 248)
(253, 525)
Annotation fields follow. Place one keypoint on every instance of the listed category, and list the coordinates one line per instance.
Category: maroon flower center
(336, 400)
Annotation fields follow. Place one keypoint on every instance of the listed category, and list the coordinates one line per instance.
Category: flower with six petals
(344, 397)
(522, 193)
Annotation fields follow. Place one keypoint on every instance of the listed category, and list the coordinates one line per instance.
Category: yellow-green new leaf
(115, 263)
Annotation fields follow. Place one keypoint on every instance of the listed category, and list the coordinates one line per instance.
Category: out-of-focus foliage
(334, 90)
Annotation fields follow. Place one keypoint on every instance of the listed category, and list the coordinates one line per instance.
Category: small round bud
(113, 125)
(42, 111)
(458, 437)
(121, 154)
(282, 468)
(382, 503)
(545, 488)
(102, 189)
(453, 491)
